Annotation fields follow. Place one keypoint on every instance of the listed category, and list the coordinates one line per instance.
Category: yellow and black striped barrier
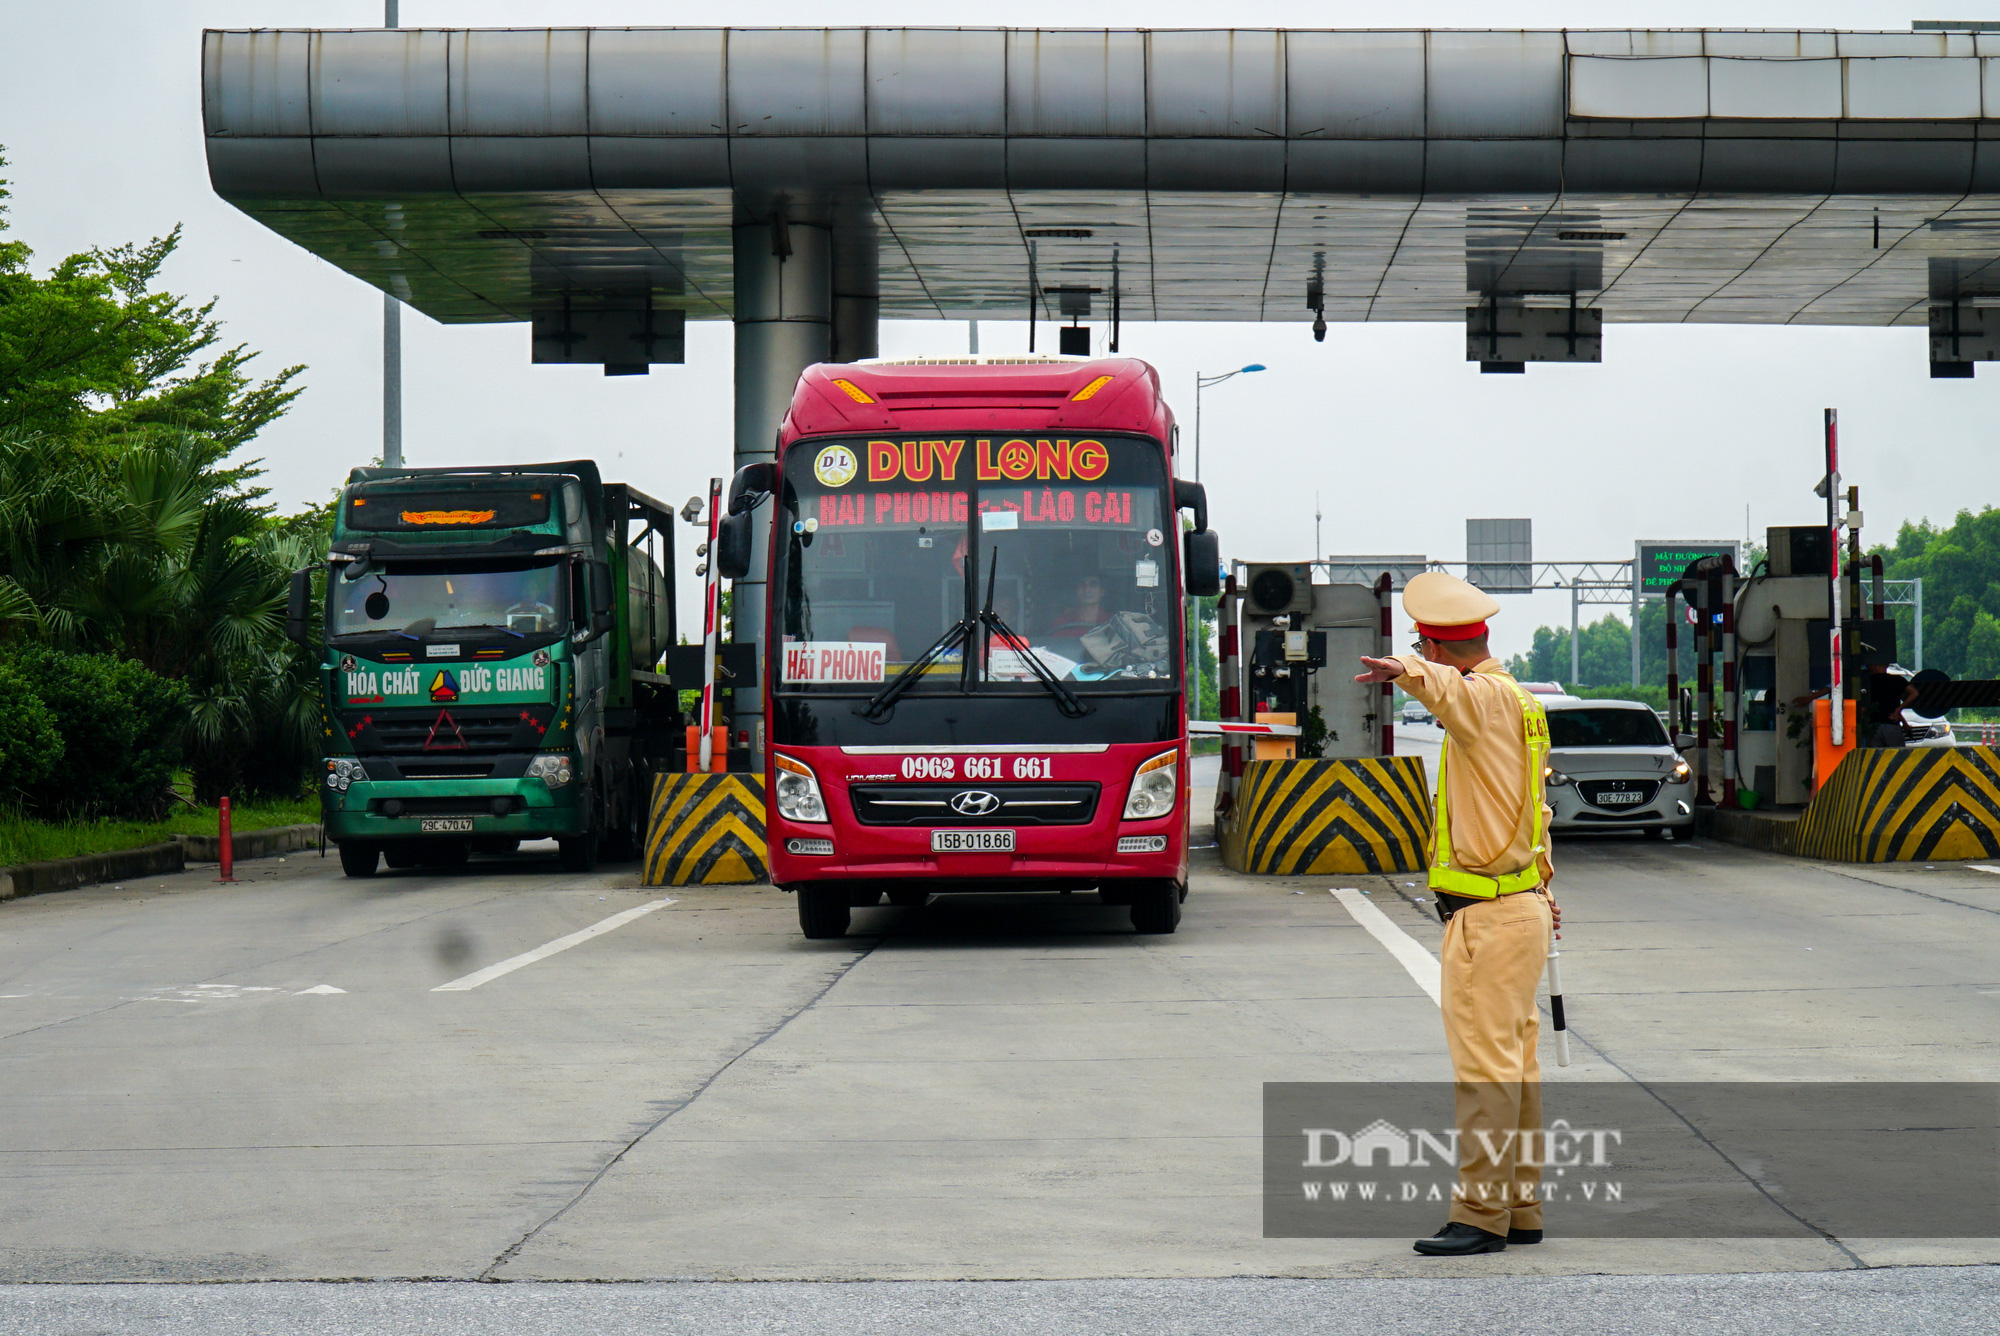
(1306, 818)
(706, 830)
(1898, 805)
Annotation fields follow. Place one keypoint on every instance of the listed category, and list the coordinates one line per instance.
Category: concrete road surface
(263, 1081)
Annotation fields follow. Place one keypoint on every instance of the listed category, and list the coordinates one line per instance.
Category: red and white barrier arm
(1258, 730)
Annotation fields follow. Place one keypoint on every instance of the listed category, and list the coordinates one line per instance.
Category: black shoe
(1458, 1239)
(1524, 1236)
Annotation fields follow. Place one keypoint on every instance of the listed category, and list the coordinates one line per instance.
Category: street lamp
(1201, 383)
(1195, 634)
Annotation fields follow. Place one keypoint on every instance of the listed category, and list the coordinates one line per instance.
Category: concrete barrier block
(1307, 818)
(266, 843)
(706, 830)
(63, 874)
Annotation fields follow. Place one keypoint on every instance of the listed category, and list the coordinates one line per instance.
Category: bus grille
(931, 804)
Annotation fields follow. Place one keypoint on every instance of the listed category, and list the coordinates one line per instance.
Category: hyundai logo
(974, 802)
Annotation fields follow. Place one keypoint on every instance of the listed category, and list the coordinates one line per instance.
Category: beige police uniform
(1490, 854)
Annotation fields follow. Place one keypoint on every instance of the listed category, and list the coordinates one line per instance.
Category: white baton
(1556, 1003)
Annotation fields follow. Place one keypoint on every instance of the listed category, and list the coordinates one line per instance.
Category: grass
(26, 840)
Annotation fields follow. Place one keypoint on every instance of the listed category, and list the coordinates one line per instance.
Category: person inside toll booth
(1088, 611)
(1888, 692)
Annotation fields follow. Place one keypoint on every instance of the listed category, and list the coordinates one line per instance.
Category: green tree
(1960, 568)
(1982, 647)
(91, 353)
(128, 525)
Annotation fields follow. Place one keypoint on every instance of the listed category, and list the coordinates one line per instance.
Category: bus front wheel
(1156, 906)
(823, 911)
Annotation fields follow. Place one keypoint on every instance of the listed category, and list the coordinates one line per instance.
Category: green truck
(484, 681)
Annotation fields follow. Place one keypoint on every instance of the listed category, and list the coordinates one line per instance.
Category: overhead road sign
(1658, 563)
(1367, 570)
(1500, 555)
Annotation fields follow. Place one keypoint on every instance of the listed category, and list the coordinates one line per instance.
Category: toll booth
(1289, 646)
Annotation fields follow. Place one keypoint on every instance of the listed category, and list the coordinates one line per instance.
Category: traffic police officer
(1490, 871)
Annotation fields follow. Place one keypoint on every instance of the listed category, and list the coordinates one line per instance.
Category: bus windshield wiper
(1066, 700)
(959, 632)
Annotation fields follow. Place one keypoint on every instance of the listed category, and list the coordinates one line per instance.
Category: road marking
(1422, 965)
(1981, 867)
(547, 949)
(319, 989)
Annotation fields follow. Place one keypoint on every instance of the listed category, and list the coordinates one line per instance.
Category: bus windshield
(888, 544)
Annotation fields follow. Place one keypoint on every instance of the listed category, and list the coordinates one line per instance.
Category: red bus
(974, 668)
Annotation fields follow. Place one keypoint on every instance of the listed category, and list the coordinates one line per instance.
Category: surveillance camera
(691, 512)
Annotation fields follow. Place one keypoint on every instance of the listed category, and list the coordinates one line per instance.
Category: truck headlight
(552, 768)
(798, 791)
(340, 772)
(1154, 788)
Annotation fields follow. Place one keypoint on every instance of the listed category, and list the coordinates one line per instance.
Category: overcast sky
(1672, 436)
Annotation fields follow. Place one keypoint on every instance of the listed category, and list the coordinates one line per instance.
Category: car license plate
(446, 825)
(972, 841)
(1614, 798)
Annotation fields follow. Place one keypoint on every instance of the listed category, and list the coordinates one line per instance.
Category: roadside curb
(251, 843)
(66, 874)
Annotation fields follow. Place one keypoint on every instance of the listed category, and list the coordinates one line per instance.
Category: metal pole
(711, 620)
(1729, 775)
(1197, 426)
(392, 382)
(1575, 650)
(392, 341)
(1919, 583)
(972, 337)
(1635, 625)
(1837, 696)
(1385, 634)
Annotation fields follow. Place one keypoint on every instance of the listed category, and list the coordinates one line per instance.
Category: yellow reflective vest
(1457, 881)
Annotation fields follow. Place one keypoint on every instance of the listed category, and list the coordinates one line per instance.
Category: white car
(1612, 767)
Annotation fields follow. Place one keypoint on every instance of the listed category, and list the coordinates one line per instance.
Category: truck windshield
(420, 600)
(888, 543)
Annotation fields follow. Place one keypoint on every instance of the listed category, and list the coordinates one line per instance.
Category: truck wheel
(579, 852)
(399, 855)
(1156, 907)
(626, 840)
(909, 897)
(823, 911)
(358, 859)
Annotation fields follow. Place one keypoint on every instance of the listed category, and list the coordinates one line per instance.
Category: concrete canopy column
(784, 323)
(857, 300)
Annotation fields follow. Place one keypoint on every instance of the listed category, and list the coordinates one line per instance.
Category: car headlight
(1681, 773)
(552, 768)
(1153, 787)
(1553, 777)
(798, 791)
(340, 772)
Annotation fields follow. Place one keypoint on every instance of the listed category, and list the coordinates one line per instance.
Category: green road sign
(1657, 564)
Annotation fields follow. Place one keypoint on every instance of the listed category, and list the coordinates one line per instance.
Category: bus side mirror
(732, 545)
(1201, 562)
(1192, 496)
(298, 610)
(752, 483)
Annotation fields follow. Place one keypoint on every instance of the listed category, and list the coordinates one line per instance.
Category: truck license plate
(446, 825)
(1613, 798)
(972, 841)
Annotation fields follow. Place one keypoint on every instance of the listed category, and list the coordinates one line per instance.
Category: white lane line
(1422, 965)
(1981, 867)
(547, 949)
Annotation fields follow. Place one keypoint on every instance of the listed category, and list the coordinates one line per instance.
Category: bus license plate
(446, 825)
(972, 841)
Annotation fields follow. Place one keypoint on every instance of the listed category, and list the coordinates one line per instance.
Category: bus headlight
(798, 791)
(1153, 788)
(552, 768)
